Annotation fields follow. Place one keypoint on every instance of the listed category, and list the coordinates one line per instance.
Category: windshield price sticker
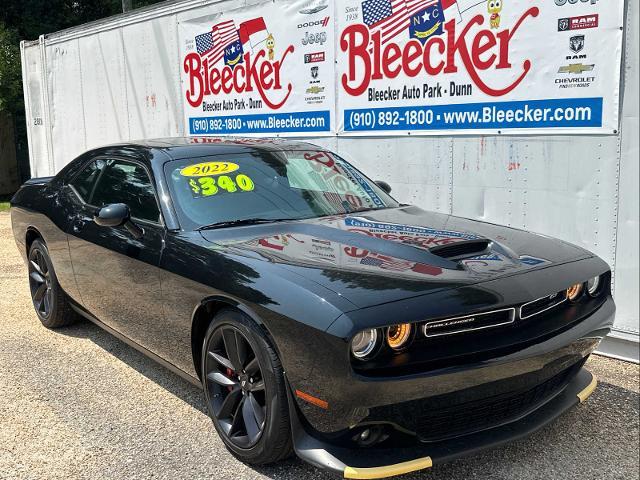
(209, 186)
(208, 169)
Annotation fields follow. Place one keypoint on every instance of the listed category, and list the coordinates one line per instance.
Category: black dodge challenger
(318, 314)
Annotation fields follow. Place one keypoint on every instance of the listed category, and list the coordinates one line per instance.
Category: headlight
(574, 292)
(398, 335)
(364, 343)
(593, 286)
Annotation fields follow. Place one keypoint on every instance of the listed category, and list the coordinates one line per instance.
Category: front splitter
(363, 463)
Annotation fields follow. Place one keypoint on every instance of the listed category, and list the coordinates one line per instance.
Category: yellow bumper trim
(389, 470)
(584, 394)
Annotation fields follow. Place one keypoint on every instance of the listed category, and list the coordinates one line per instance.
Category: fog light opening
(370, 436)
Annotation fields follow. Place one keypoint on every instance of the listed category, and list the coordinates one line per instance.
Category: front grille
(451, 326)
(489, 412)
(462, 249)
(542, 304)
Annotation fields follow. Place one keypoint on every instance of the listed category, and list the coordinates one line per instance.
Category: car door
(117, 275)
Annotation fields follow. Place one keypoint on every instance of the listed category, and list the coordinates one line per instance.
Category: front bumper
(353, 399)
(436, 416)
(386, 462)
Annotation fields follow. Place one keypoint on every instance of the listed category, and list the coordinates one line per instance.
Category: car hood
(385, 255)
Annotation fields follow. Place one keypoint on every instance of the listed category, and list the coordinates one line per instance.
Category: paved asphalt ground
(78, 403)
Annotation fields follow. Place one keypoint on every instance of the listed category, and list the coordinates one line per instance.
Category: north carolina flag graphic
(456, 8)
(422, 18)
(391, 17)
(253, 32)
(427, 22)
(212, 45)
(233, 53)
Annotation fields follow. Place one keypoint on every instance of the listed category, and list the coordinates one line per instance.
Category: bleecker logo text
(369, 60)
(244, 77)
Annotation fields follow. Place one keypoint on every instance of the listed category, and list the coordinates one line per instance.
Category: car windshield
(262, 185)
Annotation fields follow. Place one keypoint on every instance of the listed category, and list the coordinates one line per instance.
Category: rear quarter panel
(36, 207)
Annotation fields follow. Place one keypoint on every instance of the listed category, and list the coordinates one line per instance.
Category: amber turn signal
(398, 335)
(574, 291)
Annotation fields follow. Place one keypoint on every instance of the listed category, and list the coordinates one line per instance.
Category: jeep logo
(564, 2)
(312, 38)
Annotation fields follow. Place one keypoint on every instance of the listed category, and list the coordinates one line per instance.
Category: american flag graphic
(391, 17)
(373, 262)
(211, 45)
(386, 263)
(336, 200)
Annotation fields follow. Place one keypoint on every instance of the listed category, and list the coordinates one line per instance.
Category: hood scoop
(463, 249)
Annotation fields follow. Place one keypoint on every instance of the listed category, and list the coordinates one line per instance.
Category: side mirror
(114, 215)
(117, 215)
(384, 185)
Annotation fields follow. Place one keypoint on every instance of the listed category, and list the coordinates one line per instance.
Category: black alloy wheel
(235, 386)
(40, 283)
(245, 389)
(49, 300)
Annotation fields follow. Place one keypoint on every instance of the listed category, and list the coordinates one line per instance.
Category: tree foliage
(27, 20)
(10, 81)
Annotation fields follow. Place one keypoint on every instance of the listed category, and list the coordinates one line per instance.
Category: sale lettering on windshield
(202, 186)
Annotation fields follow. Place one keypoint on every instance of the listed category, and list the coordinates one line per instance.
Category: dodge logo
(576, 43)
(563, 24)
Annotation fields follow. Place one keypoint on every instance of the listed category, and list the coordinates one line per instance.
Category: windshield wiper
(244, 221)
(369, 209)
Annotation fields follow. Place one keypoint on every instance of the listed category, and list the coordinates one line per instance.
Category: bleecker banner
(471, 66)
(265, 69)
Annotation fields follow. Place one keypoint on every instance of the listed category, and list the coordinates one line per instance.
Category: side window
(125, 182)
(86, 179)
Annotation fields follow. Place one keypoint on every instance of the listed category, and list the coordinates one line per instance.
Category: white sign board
(478, 66)
(265, 69)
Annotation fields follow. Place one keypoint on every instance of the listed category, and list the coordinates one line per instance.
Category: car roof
(185, 147)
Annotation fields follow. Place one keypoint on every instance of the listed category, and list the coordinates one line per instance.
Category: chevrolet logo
(576, 68)
(315, 89)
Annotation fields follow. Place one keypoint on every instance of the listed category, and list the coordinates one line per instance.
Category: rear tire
(245, 389)
(49, 300)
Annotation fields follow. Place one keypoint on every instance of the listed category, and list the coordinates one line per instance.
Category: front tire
(49, 300)
(245, 389)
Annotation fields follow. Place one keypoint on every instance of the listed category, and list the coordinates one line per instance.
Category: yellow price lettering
(209, 186)
(208, 168)
(226, 183)
(245, 183)
(195, 188)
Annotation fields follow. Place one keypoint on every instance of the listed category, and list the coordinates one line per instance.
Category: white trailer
(118, 79)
